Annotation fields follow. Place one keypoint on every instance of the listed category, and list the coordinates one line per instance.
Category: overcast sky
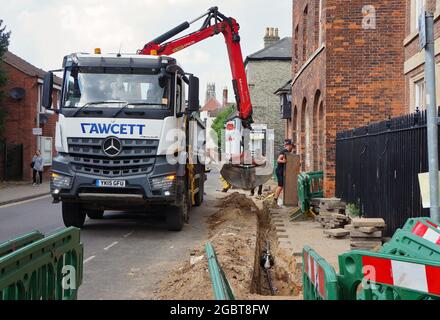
(44, 31)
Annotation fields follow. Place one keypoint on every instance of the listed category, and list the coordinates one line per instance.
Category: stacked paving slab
(366, 234)
(331, 213)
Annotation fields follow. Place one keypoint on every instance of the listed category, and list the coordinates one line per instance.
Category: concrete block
(364, 222)
(337, 233)
(358, 234)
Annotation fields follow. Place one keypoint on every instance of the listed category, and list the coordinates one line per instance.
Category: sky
(44, 31)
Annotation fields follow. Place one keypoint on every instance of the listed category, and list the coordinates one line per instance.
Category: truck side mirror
(47, 91)
(193, 95)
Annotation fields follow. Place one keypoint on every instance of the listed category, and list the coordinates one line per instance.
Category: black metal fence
(377, 168)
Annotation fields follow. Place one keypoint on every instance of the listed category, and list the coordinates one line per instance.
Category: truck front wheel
(73, 215)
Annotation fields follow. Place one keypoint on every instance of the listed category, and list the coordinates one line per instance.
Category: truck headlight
(60, 181)
(163, 183)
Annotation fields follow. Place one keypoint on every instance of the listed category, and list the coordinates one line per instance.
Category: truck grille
(137, 157)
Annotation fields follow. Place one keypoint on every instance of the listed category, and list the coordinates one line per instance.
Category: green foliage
(353, 210)
(219, 123)
(4, 44)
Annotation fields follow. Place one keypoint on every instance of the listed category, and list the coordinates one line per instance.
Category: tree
(4, 44)
(220, 121)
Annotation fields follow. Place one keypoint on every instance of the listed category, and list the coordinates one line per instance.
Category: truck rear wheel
(73, 215)
(177, 215)
(95, 214)
(200, 195)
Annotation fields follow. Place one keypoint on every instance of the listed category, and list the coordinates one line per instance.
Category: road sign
(422, 30)
(37, 131)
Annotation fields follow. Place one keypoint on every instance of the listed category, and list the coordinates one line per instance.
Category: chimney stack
(225, 97)
(272, 36)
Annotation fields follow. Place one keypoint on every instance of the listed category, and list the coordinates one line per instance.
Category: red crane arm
(230, 30)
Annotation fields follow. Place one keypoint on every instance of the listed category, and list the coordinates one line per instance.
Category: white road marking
(111, 246)
(89, 259)
(129, 234)
(24, 202)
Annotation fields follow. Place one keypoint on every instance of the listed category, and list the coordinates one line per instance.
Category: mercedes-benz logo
(112, 147)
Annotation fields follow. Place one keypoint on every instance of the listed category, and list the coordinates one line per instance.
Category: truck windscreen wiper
(133, 104)
(97, 103)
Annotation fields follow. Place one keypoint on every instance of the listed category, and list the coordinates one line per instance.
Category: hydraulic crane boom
(241, 175)
(215, 23)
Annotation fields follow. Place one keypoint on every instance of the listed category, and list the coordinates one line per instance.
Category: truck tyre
(95, 214)
(177, 215)
(73, 215)
(200, 195)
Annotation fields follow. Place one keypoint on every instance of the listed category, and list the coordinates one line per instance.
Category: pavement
(293, 236)
(12, 193)
(125, 255)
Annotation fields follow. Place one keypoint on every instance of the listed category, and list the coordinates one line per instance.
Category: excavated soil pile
(238, 232)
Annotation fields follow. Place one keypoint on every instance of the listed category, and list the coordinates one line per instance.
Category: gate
(11, 161)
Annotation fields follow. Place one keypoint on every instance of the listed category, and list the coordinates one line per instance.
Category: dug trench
(239, 232)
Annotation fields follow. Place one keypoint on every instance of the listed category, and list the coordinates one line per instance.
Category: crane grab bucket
(244, 177)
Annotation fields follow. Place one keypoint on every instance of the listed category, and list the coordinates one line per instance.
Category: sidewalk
(293, 236)
(11, 193)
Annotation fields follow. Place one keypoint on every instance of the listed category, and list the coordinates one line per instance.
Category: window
(296, 44)
(46, 150)
(305, 35)
(321, 22)
(103, 86)
(417, 7)
(419, 95)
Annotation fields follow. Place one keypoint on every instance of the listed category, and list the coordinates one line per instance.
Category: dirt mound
(233, 233)
(237, 200)
(238, 232)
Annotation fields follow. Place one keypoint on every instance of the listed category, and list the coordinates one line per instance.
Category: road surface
(124, 255)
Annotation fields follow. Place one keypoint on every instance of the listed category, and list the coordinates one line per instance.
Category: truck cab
(126, 137)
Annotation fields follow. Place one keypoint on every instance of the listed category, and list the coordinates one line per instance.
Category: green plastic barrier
(316, 184)
(366, 275)
(408, 244)
(310, 185)
(411, 224)
(16, 244)
(320, 280)
(48, 269)
(303, 195)
(221, 287)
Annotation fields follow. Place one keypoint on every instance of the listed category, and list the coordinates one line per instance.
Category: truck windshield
(84, 88)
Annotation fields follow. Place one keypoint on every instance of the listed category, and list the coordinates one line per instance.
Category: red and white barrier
(316, 274)
(425, 232)
(433, 224)
(412, 276)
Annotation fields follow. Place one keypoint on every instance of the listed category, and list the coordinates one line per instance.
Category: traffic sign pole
(432, 114)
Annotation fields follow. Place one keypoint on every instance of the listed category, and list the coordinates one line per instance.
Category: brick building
(347, 72)
(415, 58)
(24, 112)
(267, 70)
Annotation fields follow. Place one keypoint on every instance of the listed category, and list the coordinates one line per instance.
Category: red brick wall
(359, 73)
(21, 117)
(306, 86)
(365, 80)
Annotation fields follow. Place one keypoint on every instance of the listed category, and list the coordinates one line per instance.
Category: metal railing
(377, 168)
